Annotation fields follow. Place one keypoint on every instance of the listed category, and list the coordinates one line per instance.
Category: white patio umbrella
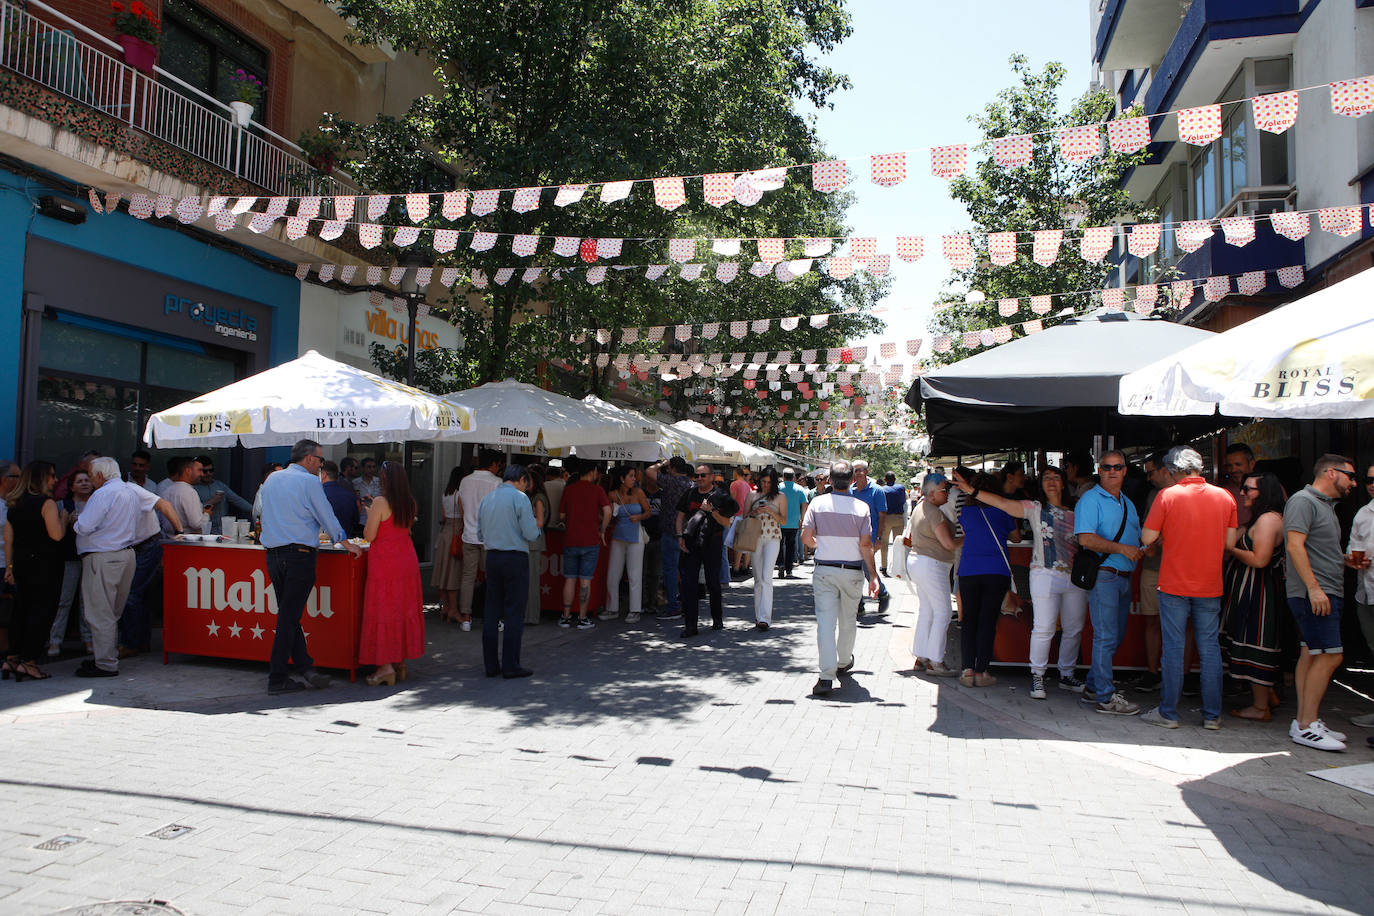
(1310, 359)
(310, 397)
(720, 447)
(515, 413)
(668, 441)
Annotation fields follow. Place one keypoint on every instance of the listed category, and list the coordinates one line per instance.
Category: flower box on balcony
(139, 54)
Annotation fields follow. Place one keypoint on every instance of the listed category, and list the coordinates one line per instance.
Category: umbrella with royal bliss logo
(311, 397)
(518, 414)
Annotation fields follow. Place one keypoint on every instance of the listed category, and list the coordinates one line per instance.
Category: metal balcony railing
(62, 55)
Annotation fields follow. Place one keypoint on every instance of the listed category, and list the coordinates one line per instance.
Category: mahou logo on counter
(207, 590)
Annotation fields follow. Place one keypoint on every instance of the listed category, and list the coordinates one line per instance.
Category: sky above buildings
(920, 69)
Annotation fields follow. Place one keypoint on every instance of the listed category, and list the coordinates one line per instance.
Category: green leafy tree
(568, 91)
(1047, 193)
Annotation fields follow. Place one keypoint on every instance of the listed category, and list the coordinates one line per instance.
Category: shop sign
(224, 322)
(359, 329)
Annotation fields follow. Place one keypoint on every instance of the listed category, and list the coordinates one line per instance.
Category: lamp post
(413, 297)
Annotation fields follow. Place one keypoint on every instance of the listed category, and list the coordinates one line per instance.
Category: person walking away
(838, 527)
(703, 514)
(674, 483)
(1253, 596)
(1315, 585)
(34, 528)
(78, 492)
(1106, 522)
(1197, 522)
(894, 516)
(447, 573)
(507, 526)
(586, 515)
(873, 496)
(393, 627)
(471, 492)
(105, 535)
(769, 506)
(796, 504)
(1055, 601)
(933, 546)
(294, 512)
(629, 508)
(539, 505)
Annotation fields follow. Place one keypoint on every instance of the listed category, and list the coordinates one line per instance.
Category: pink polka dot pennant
(1013, 152)
(596, 274)
(958, 251)
(669, 193)
(746, 191)
(1145, 296)
(1238, 230)
(1041, 305)
(1128, 135)
(1112, 298)
(879, 265)
(1353, 98)
(565, 246)
(771, 251)
(370, 235)
(377, 205)
(1144, 239)
(948, 161)
(483, 241)
(1001, 248)
(1340, 220)
(726, 271)
(682, 250)
(1079, 144)
(718, 189)
(1216, 288)
(417, 206)
(484, 203)
(1045, 249)
(344, 208)
(503, 276)
(1290, 277)
(1199, 126)
(524, 245)
(525, 200)
(609, 248)
(910, 247)
(455, 204)
(140, 206)
(188, 210)
(1275, 113)
(405, 236)
(863, 250)
(1191, 235)
(1096, 242)
(569, 194)
(1251, 282)
(829, 176)
(1290, 224)
(888, 169)
(1181, 292)
(1008, 307)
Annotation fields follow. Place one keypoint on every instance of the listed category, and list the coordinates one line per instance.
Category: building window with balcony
(1244, 170)
(204, 52)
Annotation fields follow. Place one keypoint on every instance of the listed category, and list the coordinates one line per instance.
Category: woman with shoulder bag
(630, 507)
(1055, 601)
(769, 506)
(984, 578)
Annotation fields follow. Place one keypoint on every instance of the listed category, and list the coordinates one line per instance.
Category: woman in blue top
(984, 578)
(631, 508)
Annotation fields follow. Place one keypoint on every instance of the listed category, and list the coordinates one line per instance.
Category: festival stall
(217, 597)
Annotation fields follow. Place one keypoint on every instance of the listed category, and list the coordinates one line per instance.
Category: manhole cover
(122, 908)
(171, 831)
(60, 842)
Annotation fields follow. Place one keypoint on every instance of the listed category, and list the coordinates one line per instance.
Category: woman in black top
(33, 535)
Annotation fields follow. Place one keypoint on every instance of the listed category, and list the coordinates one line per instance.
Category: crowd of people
(1236, 577)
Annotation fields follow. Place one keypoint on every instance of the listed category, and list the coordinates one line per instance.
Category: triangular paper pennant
(596, 274)
(1046, 247)
(1290, 277)
(484, 203)
(479, 279)
(330, 229)
(189, 210)
(1096, 242)
(829, 176)
(691, 271)
(530, 274)
(771, 251)
(1275, 113)
(524, 245)
(1290, 224)
(654, 271)
(615, 190)
(483, 241)
(1013, 152)
(140, 206)
(374, 276)
(863, 250)
(1128, 135)
(948, 161)
(448, 276)
(1216, 288)
(417, 207)
(609, 248)
(1144, 239)
(377, 205)
(406, 235)
(503, 275)
(445, 239)
(1353, 98)
(726, 271)
(1192, 234)
(1040, 305)
(910, 247)
(726, 247)
(669, 193)
(1008, 307)
(1113, 297)
(1340, 220)
(1199, 126)
(1238, 230)
(682, 250)
(1079, 144)
(455, 204)
(839, 267)
(1251, 282)
(879, 265)
(526, 199)
(1145, 296)
(1001, 248)
(369, 235)
(888, 169)
(958, 251)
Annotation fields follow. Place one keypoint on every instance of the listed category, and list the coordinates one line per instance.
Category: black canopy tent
(1053, 390)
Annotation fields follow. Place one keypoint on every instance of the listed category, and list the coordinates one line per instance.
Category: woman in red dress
(393, 602)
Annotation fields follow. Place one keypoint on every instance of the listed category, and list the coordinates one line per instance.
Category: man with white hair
(106, 532)
(1197, 522)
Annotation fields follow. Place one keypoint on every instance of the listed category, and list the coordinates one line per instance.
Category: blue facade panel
(1268, 251)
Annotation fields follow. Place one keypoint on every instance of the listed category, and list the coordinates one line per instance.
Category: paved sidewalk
(635, 773)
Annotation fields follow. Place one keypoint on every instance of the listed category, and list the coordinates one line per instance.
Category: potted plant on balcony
(247, 94)
(138, 32)
(321, 150)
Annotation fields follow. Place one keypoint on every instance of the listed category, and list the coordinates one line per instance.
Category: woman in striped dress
(1253, 596)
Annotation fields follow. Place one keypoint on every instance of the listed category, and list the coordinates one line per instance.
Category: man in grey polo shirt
(1316, 591)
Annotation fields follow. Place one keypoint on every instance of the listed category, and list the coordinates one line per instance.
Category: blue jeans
(1174, 613)
(508, 583)
(671, 552)
(1109, 604)
(292, 571)
(135, 627)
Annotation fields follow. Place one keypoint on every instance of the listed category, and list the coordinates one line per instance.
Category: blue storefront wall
(137, 243)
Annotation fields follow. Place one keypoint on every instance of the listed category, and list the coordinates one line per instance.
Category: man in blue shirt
(894, 515)
(865, 490)
(506, 527)
(796, 502)
(1106, 523)
(217, 495)
(294, 512)
(342, 498)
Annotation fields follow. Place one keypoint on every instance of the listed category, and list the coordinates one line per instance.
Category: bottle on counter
(205, 523)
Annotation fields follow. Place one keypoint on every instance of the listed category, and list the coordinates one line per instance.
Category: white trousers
(930, 580)
(627, 558)
(1056, 602)
(764, 558)
(836, 592)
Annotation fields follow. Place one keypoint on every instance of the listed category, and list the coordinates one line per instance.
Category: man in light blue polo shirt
(876, 499)
(795, 495)
(506, 528)
(1098, 523)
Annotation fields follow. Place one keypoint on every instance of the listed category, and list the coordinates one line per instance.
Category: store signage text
(1317, 382)
(341, 419)
(206, 590)
(225, 322)
(383, 325)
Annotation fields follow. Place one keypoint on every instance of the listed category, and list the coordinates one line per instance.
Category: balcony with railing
(61, 55)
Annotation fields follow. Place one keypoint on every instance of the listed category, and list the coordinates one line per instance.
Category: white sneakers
(1316, 735)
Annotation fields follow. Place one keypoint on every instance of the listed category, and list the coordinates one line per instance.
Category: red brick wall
(95, 14)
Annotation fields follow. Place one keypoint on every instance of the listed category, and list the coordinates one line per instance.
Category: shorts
(580, 562)
(1321, 635)
(1149, 593)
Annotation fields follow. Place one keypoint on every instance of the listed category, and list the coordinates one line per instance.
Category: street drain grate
(171, 831)
(60, 842)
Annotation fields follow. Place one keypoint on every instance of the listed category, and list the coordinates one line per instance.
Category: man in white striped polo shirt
(838, 528)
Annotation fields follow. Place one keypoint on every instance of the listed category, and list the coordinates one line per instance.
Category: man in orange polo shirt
(1197, 522)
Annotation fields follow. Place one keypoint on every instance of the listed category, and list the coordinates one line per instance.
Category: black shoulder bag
(1086, 563)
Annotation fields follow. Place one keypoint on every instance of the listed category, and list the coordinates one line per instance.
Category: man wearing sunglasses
(1316, 591)
(1098, 519)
